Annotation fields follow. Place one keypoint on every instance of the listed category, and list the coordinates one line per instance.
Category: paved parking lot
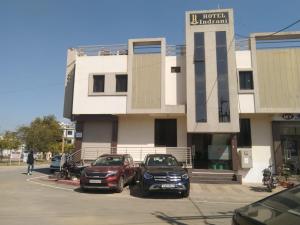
(32, 200)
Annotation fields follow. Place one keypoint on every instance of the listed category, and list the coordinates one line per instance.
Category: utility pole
(63, 141)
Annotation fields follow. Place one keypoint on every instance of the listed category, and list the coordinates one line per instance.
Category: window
(98, 83)
(175, 69)
(244, 137)
(222, 77)
(200, 84)
(121, 83)
(246, 80)
(70, 132)
(166, 132)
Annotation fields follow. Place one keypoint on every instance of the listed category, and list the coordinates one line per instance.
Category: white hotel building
(219, 107)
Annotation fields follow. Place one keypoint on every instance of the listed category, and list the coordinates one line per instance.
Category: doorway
(211, 151)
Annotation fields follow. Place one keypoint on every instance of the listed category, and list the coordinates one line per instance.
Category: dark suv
(162, 172)
(108, 172)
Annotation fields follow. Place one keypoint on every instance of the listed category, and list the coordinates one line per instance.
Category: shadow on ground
(94, 191)
(135, 191)
(42, 170)
(180, 220)
(258, 189)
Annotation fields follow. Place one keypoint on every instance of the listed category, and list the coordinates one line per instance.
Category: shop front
(286, 137)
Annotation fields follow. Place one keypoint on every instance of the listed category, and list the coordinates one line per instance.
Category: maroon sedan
(108, 172)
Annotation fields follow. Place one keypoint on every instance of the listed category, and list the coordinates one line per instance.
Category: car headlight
(185, 176)
(147, 176)
(111, 173)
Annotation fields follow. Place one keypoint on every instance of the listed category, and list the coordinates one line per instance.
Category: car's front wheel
(185, 194)
(144, 191)
(120, 185)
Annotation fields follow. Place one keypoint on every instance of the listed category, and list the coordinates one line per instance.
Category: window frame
(238, 135)
(93, 83)
(245, 91)
(116, 87)
(175, 69)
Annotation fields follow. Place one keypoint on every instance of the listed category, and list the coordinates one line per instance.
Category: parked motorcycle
(270, 180)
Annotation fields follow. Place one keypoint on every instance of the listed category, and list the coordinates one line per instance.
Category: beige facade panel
(208, 23)
(278, 78)
(146, 81)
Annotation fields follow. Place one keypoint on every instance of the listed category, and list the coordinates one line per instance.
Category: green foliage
(42, 135)
(9, 141)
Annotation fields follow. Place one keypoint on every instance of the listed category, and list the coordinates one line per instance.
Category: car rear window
(109, 161)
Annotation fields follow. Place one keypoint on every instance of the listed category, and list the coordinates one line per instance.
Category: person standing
(30, 163)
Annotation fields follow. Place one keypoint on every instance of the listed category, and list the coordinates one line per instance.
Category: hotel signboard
(209, 18)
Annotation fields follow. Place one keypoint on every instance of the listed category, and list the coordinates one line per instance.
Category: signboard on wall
(209, 18)
(219, 152)
(287, 117)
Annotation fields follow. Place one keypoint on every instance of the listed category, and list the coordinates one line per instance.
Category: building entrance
(211, 151)
(286, 137)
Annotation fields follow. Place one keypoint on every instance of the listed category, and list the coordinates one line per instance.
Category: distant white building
(68, 132)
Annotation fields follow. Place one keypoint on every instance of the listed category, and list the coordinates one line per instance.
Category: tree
(42, 134)
(9, 141)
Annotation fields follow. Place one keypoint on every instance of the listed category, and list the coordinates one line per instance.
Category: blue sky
(35, 35)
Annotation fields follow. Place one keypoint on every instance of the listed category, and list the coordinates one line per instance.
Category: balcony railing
(103, 50)
(122, 49)
(182, 154)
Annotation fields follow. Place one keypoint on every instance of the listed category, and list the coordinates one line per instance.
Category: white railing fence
(182, 154)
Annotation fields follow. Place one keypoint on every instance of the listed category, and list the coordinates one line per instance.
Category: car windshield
(161, 160)
(109, 161)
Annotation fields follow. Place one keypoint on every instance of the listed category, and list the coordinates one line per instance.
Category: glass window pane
(200, 84)
(98, 85)
(246, 80)
(222, 77)
(121, 83)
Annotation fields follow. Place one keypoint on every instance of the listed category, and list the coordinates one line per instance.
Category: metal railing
(182, 154)
(175, 50)
(122, 49)
(103, 50)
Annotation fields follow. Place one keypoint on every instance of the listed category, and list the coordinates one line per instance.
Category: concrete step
(213, 176)
(207, 181)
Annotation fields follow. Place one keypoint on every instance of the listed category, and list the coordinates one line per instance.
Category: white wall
(261, 134)
(175, 85)
(135, 132)
(243, 59)
(246, 103)
(85, 104)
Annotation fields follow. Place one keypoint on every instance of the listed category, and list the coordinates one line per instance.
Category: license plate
(95, 181)
(168, 185)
